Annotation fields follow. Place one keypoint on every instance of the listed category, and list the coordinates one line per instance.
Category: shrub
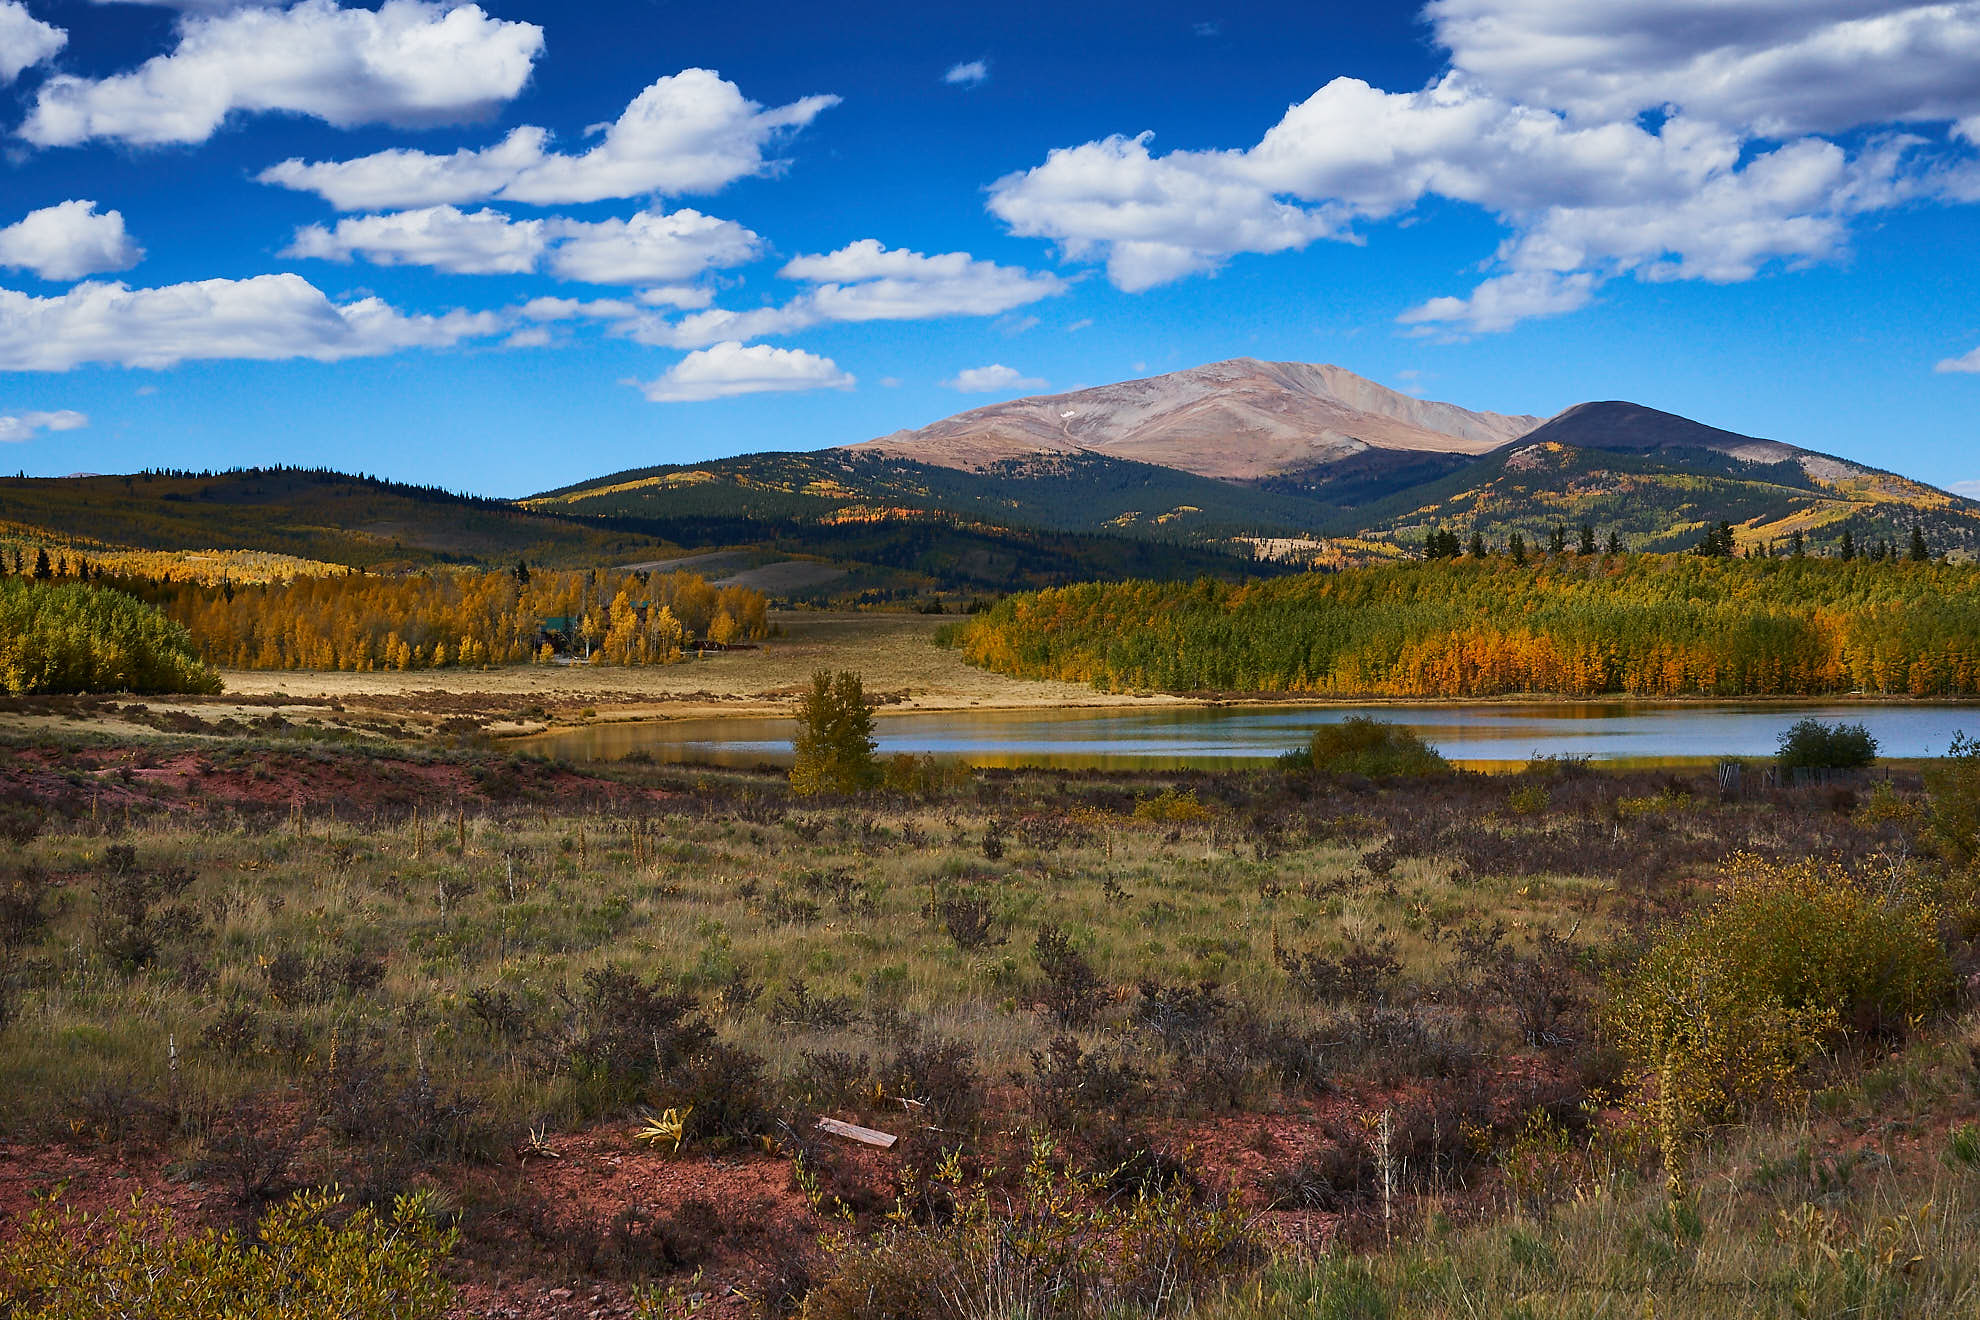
(1365, 973)
(938, 1073)
(834, 744)
(1812, 745)
(1375, 748)
(923, 776)
(970, 920)
(629, 1031)
(1724, 1011)
(1172, 807)
(306, 1262)
(1058, 1249)
(1073, 992)
(1953, 786)
(66, 637)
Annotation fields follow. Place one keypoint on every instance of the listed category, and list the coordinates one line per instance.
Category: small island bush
(68, 637)
(1360, 745)
(1812, 745)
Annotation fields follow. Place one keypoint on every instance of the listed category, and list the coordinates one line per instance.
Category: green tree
(1848, 548)
(1954, 787)
(1920, 553)
(66, 637)
(1517, 548)
(1615, 543)
(1813, 745)
(834, 742)
(1587, 546)
(1477, 545)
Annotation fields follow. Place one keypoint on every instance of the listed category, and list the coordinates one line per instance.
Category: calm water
(1169, 737)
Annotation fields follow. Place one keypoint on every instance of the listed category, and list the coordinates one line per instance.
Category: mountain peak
(1238, 419)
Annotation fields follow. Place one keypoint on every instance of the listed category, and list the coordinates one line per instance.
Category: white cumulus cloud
(68, 241)
(692, 132)
(406, 62)
(729, 368)
(198, 6)
(465, 242)
(265, 318)
(18, 427)
(653, 247)
(967, 74)
(1777, 68)
(1966, 362)
(993, 379)
(865, 281)
(25, 40)
(1541, 121)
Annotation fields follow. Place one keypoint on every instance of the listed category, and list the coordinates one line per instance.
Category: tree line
(1581, 625)
(464, 617)
(1717, 542)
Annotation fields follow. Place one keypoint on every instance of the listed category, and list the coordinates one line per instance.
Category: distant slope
(1660, 480)
(354, 521)
(1237, 420)
(1056, 492)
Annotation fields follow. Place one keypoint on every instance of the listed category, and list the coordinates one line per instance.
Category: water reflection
(1172, 737)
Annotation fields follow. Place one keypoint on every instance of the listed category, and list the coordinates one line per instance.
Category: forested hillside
(1583, 625)
(1666, 499)
(310, 515)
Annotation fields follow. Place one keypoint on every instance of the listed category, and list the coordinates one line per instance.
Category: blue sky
(508, 246)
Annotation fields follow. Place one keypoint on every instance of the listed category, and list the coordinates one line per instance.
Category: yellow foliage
(311, 1263)
(431, 620)
(1722, 1014)
(1170, 807)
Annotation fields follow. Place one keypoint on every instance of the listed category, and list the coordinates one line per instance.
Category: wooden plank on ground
(854, 1132)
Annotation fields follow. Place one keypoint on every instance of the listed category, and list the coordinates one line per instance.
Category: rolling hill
(312, 516)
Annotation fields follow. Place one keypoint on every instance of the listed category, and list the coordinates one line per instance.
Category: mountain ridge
(1286, 416)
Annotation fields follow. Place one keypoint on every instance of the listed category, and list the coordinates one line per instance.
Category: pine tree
(1557, 540)
(1587, 539)
(1797, 546)
(1517, 548)
(1920, 552)
(1615, 543)
(43, 570)
(1477, 545)
(1848, 550)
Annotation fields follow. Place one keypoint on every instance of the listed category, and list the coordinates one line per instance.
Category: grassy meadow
(1251, 1043)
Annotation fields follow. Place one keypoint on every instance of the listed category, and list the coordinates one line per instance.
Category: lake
(1485, 736)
